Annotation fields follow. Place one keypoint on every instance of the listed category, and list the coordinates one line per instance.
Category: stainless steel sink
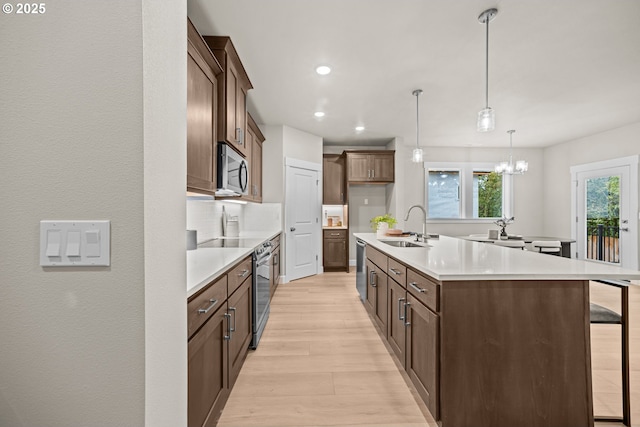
(402, 244)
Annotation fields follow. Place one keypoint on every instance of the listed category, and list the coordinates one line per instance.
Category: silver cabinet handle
(413, 285)
(232, 328)
(244, 273)
(292, 229)
(239, 140)
(624, 228)
(206, 310)
(372, 275)
(335, 234)
(228, 337)
(373, 173)
(394, 271)
(406, 315)
(369, 173)
(400, 315)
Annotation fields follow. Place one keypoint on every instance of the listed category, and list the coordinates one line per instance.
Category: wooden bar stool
(602, 315)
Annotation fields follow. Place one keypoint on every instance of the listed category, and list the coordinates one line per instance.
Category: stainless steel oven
(260, 291)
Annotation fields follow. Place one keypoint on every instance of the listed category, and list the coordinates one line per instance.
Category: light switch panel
(75, 243)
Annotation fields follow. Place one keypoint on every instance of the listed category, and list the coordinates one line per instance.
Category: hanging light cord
(487, 67)
(418, 118)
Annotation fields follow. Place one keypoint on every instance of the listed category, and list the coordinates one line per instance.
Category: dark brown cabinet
(202, 108)
(333, 179)
(370, 167)
(396, 328)
(275, 265)
(376, 301)
(239, 307)
(255, 138)
(232, 94)
(334, 249)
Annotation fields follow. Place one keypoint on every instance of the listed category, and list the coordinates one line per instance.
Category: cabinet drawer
(335, 234)
(239, 274)
(424, 289)
(397, 272)
(203, 305)
(377, 257)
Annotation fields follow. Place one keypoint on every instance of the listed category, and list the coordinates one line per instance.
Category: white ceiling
(558, 69)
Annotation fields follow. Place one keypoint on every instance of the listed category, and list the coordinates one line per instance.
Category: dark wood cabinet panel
(396, 329)
(255, 138)
(376, 301)
(371, 167)
(335, 252)
(202, 87)
(208, 386)
(333, 179)
(233, 86)
(422, 357)
(275, 271)
(239, 306)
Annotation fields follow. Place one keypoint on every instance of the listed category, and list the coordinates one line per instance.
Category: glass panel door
(602, 206)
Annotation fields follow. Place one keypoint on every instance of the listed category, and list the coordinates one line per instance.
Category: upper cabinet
(255, 138)
(232, 94)
(333, 179)
(202, 88)
(370, 167)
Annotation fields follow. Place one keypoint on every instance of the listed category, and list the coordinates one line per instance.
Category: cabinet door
(422, 359)
(275, 271)
(381, 300)
(241, 119)
(208, 385)
(396, 330)
(333, 180)
(370, 301)
(239, 306)
(256, 169)
(201, 102)
(383, 169)
(334, 252)
(358, 168)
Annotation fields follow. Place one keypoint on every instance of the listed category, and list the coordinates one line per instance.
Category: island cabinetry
(376, 301)
(274, 278)
(202, 110)
(370, 167)
(334, 250)
(232, 94)
(333, 179)
(396, 328)
(239, 307)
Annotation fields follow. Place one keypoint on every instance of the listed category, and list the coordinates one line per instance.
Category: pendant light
(486, 116)
(508, 168)
(417, 152)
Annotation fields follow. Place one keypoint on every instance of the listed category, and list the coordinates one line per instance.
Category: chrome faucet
(424, 225)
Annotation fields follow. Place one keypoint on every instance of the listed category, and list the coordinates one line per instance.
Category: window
(465, 191)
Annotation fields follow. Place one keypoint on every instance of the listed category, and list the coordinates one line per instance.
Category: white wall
(88, 122)
(273, 163)
(558, 159)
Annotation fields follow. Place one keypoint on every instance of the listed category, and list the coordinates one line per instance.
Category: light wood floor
(321, 362)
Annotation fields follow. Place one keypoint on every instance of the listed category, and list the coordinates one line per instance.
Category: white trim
(302, 164)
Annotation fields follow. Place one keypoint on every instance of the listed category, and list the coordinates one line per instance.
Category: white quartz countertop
(451, 258)
(206, 264)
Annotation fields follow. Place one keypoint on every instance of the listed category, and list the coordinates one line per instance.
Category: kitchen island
(490, 336)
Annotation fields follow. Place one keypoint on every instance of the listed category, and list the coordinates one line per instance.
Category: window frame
(466, 191)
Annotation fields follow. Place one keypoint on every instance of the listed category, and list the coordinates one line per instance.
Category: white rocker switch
(53, 243)
(92, 243)
(73, 243)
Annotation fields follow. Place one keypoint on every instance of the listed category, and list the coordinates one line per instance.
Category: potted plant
(382, 223)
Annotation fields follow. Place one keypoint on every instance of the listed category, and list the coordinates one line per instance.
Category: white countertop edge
(220, 260)
(532, 265)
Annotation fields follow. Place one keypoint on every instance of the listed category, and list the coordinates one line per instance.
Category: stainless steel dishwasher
(361, 274)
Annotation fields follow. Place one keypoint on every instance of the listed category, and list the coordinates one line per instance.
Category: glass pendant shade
(486, 120)
(417, 155)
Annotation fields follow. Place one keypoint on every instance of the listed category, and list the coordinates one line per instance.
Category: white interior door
(302, 225)
(606, 227)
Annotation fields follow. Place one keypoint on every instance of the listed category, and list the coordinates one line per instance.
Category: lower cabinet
(274, 277)
(335, 253)
(219, 332)
(396, 328)
(376, 301)
(208, 387)
(239, 306)
(422, 352)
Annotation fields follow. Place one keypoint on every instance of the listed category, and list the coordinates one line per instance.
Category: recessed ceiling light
(359, 128)
(323, 70)
(318, 114)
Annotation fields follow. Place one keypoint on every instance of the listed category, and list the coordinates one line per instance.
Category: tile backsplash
(205, 215)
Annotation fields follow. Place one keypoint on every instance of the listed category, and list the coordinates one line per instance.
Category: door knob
(292, 229)
(624, 228)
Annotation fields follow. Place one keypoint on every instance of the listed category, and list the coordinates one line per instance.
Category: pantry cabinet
(370, 167)
(233, 86)
(333, 179)
(202, 109)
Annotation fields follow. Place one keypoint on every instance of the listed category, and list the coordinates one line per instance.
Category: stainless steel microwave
(232, 172)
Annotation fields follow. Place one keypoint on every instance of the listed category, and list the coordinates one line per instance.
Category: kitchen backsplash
(205, 215)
